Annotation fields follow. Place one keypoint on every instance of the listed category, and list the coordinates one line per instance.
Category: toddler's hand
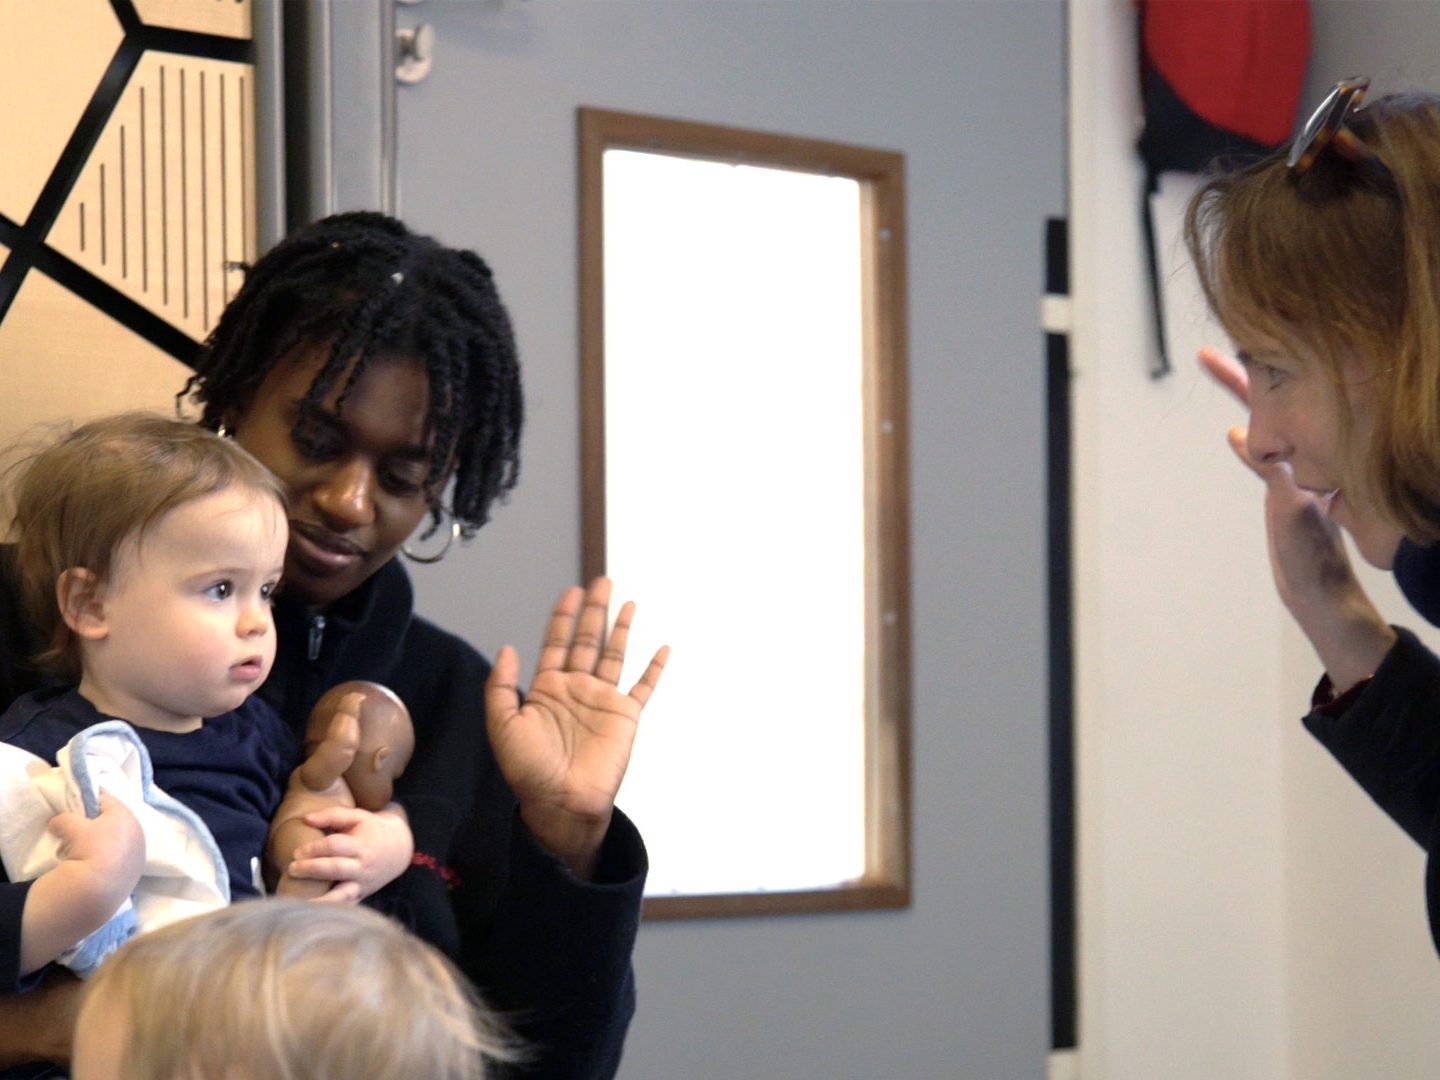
(101, 860)
(362, 852)
(108, 850)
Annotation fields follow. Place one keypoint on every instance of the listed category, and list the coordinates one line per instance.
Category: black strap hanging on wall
(1219, 79)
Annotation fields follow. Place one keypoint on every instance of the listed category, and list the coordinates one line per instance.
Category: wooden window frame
(880, 174)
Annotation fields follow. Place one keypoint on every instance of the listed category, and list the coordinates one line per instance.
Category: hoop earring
(450, 537)
(222, 430)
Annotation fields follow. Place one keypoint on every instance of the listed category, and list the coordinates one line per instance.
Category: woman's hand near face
(565, 748)
(1307, 557)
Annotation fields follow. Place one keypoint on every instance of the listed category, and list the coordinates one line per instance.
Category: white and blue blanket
(184, 874)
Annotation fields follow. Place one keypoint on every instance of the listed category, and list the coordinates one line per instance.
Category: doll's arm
(322, 769)
(362, 850)
(286, 837)
(317, 783)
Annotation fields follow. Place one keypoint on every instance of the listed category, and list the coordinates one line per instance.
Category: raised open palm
(565, 747)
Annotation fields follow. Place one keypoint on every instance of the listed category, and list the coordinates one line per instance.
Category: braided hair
(366, 286)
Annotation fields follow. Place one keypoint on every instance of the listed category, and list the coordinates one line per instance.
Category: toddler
(280, 990)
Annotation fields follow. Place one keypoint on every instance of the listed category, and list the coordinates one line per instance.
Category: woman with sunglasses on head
(374, 372)
(1323, 265)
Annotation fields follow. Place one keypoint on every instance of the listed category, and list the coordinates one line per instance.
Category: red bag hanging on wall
(1218, 78)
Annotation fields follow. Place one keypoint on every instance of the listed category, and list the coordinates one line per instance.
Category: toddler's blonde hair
(293, 990)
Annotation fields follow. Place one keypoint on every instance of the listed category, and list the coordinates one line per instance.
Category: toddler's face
(187, 627)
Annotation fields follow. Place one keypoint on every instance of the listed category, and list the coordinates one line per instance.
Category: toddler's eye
(268, 590)
(221, 590)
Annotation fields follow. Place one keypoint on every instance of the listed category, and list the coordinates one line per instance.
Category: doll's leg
(285, 837)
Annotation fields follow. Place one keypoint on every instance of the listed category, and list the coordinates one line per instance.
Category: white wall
(1246, 912)
(971, 92)
(1177, 652)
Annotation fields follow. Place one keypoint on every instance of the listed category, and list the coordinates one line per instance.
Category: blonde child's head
(284, 990)
(106, 481)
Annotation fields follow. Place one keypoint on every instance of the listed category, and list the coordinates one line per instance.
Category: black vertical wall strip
(164, 197)
(104, 218)
(124, 211)
(144, 203)
(204, 210)
(184, 199)
(244, 189)
(26, 241)
(224, 199)
(1063, 984)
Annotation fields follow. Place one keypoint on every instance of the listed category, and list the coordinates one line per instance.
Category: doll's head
(387, 739)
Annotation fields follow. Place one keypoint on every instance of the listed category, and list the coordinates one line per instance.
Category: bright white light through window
(735, 499)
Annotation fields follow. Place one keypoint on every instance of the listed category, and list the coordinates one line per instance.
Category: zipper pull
(317, 635)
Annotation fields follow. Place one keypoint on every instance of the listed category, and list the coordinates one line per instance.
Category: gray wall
(972, 93)
(1395, 42)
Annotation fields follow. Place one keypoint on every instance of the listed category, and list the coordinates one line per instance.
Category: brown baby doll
(358, 741)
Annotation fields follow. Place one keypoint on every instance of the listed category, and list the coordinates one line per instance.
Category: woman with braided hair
(374, 372)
